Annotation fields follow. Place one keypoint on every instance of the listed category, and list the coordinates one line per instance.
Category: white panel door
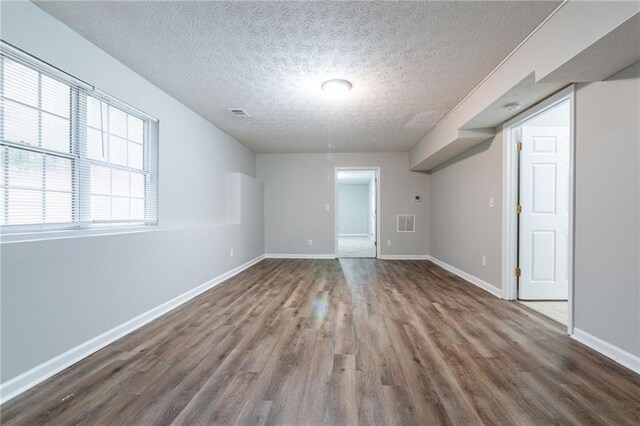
(544, 221)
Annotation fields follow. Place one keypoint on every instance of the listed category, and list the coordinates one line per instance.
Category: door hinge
(517, 272)
(519, 146)
(518, 209)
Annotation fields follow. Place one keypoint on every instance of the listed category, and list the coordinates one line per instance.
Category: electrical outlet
(388, 242)
(492, 202)
(231, 253)
(484, 260)
(327, 207)
(310, 242)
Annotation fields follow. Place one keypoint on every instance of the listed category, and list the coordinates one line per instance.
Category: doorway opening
(356, 219)
(538, 242)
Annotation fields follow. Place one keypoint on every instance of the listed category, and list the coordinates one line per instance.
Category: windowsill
(74, 233)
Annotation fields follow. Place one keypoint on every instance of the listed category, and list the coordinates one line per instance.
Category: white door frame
(335, 205)
(509, 195)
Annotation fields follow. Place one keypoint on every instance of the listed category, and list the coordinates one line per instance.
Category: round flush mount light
(336, 86)
(513, 106)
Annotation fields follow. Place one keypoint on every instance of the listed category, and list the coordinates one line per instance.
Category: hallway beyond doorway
(349, 246)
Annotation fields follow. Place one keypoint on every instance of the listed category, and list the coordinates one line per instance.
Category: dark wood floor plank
(310, 342)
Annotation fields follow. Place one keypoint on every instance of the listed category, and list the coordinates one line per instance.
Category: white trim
(32, 377)
(60, 234)
(354, 235)
(620, 356)
(299, 256)
(490, 288)
(509, 222)
(404, 257)
(509, 194)
(541, 107)
(335, 205)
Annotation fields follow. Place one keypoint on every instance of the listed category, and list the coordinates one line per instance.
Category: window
(70, 156)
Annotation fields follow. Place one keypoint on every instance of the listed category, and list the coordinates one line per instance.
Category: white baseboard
(30, 378)
(404, 257)
(299, 256)
(620, 356)
(468, 277)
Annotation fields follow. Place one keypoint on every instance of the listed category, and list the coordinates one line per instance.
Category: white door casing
(376, 185)
(372, 208)
(544, 221)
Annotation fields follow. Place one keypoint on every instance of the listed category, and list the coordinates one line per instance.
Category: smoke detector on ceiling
(239, 112)
(513, 106)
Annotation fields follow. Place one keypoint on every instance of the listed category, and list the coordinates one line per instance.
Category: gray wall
(84, 286)
(463, 226)
(607, 211)
(298, 186)
(607, 220)
(353, 209)
(59, 293)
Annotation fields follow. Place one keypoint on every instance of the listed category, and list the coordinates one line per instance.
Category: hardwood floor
(340, 342)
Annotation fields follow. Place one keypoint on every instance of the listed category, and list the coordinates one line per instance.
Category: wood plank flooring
(355, 341)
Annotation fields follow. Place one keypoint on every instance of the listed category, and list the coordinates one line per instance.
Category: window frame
(78, 155)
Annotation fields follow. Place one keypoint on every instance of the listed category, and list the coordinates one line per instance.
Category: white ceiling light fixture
(513, 106)
(336, 87)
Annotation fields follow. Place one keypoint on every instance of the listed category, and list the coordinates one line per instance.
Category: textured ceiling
(410, 62)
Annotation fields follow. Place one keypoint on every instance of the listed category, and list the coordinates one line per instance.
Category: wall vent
(239, 112)
(406, 223)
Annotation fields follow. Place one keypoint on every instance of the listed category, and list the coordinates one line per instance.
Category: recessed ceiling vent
(239, 112)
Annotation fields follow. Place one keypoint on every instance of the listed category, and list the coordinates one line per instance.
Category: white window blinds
(70, 156)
